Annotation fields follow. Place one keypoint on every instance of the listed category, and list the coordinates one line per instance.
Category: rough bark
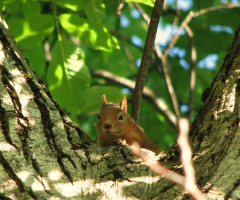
(43, 155)
(216, 133)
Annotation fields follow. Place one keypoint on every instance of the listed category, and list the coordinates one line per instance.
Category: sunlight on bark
(40, 184)
(6, 147)
(23, 175)
(55, 175)
(2, 55)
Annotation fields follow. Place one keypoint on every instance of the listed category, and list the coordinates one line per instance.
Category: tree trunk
(43, 155)
(216, 133)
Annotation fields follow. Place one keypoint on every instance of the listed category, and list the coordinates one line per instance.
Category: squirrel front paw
(119, 141)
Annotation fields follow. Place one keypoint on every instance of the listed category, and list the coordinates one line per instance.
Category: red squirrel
(115, 123)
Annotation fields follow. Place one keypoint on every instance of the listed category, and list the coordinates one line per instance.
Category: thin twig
(176, 17)
(147, 93)
(154, 165)
(192, 70)
(126, 39)
(188, 181)
(169, 84)
(190, 184)
(120, 6)
(129, 56)
(192, 15)
(163, 57)
(164, 68)
(173, 40)
(146, 58)
(151, 161)
(143, 14)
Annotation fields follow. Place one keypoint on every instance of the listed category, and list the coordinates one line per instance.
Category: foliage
(65, 40)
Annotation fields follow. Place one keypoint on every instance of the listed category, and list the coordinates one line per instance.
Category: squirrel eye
(120, 117)
(99, 116)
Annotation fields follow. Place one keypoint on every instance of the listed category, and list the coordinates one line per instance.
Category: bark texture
(43, 155)
(215, 132)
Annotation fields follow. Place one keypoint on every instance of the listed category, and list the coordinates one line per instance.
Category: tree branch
(192, 15)
(188, 181)
(144, 15)
(186, 157)
(169, 84)
(126, 39)
(146, 58)
(164, 68)
(152, 162)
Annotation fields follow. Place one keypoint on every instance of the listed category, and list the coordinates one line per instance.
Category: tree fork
(86, 170)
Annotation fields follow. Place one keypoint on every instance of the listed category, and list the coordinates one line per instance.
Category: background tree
(67, 74)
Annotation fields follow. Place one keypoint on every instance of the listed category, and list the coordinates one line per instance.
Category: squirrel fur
(115, 123)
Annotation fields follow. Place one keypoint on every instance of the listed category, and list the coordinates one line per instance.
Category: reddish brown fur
(115, 123)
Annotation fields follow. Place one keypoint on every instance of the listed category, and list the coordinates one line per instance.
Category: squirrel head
(112, 117)
(114, 123)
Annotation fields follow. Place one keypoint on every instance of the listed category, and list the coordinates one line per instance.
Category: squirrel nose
(107, 126)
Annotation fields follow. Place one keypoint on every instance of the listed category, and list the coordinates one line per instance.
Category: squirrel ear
(104, 100)
(123, 104)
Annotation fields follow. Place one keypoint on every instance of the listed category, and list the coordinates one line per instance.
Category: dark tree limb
(146, 58)
(164, 68)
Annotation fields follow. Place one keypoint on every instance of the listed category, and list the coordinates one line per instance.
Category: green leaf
(134, 24)
(89, 32)
(2, 7)
(121, 67)
(74, 5)
(197, 5)
(95, 10)
(146, 2)
(30, 31)
(68, 77)
(31, 8)
(224, 17)
(36, 57)
(12, 5)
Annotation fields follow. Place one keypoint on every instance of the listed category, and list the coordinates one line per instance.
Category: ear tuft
(123, 104)
(104, 100)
